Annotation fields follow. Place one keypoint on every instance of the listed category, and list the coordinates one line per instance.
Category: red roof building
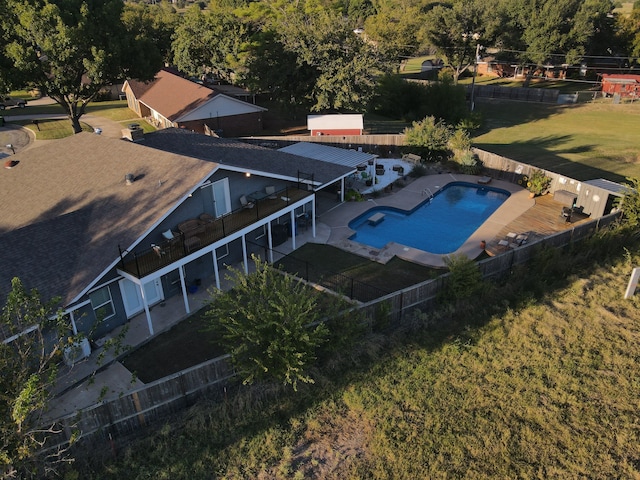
(625, 85)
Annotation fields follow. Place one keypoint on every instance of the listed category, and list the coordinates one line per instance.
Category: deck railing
(144, 262)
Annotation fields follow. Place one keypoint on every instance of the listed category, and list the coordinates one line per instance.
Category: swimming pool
(440, 224)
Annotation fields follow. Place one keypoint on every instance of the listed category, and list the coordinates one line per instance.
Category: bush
(538, 183)
(418, 171)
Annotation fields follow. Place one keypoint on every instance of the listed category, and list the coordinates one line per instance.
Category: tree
(555, 31)
(71, 49)
(431, 136)
(630, 203)
(345, 66)
(270, 323)
(465, 279)
(154, 23)
(630, 32)
(410, 101)
(29, 363)
(394, 28)
(209, 42)
(455, 32)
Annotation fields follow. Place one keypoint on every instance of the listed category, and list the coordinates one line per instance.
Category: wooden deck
(541, 220)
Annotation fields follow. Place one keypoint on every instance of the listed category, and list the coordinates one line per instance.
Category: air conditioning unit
(77, 352)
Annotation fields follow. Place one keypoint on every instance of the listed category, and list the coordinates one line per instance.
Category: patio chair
(271, 192)
(246, 203)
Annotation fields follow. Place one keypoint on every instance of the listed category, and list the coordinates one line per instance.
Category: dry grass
(538, 379)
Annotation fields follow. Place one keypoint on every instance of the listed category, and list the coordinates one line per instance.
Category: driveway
(20, 138)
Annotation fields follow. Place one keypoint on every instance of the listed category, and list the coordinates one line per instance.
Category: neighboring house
(338, 124)
(625, 85)
(113, 227)
(172, 101)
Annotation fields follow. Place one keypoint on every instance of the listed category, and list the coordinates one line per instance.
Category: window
(261, 232)
(102, 303)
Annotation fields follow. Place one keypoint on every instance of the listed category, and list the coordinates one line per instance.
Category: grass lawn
(514, 385)
(185, 345)
(582, 141)
(52, 129)
(326, 259)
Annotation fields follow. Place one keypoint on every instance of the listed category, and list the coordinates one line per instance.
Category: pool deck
(337, 219)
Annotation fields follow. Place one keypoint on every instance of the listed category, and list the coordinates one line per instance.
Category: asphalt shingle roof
(171, 95)
(240, 155)
(67, 208)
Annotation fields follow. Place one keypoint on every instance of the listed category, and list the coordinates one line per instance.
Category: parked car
(12, 102)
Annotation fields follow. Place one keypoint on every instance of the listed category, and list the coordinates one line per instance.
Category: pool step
(376, 218)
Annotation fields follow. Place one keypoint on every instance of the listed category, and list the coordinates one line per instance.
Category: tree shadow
(546, 153)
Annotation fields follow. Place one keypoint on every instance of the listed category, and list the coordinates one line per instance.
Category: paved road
(20, 138)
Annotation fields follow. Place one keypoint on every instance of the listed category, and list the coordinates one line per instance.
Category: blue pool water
(438, 225)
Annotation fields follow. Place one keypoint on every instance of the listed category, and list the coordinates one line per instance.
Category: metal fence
(336, 282)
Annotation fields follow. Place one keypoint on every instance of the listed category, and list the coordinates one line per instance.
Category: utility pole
(473, 80)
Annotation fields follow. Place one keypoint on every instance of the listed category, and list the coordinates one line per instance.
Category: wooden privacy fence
(121, 416)
(423, 295)
(153, 402)
(366, 142)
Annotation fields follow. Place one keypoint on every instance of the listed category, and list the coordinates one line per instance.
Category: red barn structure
(338, 124)
(625, 85)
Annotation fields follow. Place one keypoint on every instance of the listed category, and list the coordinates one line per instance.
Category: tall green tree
(35, 336)
(270, 323)
(555, 31)
(430, 136)
(455, 31)
(346, 66)
(394, 28)
(210, 42)
(152, 23)
(71, 49)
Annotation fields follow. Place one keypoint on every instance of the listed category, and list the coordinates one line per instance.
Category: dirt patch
(330, 446)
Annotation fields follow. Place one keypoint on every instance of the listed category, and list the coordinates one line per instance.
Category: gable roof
(67, 208)
(174, 97)
(240, 156)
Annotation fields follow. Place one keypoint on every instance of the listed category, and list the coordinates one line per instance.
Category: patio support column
(74, 327)
(147, 312)
(313, 216)
(244, 255)
(342, 190)
(216, 270)
(184, 290)
(293, 229)
(270, 240)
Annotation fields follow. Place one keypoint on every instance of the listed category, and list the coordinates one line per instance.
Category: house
(172, 101)
(113, 226)
(338, 124)
(625, 85)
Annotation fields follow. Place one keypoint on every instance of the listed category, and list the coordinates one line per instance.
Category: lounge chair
(246, 203)
(271, 192)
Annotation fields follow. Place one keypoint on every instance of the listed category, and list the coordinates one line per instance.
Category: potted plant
(538, 183)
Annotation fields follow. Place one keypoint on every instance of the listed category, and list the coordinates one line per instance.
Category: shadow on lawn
(537, 152)
(185, 345)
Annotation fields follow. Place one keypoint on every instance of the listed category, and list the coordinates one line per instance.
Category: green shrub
(418, 171)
